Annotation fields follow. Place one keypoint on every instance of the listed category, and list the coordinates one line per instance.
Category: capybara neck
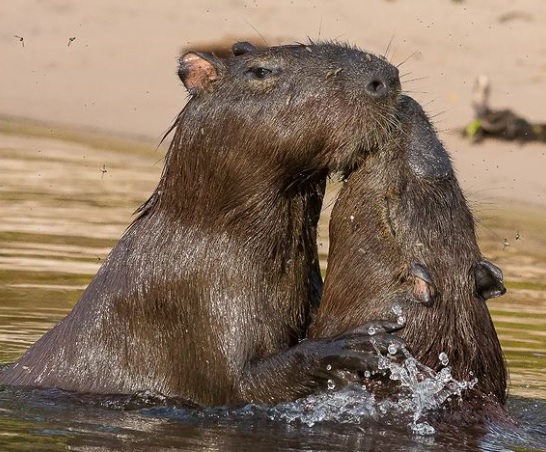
(213, 176)
(209, 291)
(403, 244)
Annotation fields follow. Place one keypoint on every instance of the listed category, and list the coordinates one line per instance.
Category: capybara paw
(375, 327)
(359, 349)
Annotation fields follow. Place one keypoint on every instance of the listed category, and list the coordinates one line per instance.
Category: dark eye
(259, 72)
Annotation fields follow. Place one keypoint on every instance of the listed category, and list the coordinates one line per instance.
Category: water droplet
(423, 428)
(371, 331)
(396, 309)
(331, 385)
(401, 320)
(352, 217)
(392, 349)
(329, 367)
(367, 374)
(443, 359)
(383, 362)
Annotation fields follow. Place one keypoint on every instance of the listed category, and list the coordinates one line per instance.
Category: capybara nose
(383, 81)
(376, 88)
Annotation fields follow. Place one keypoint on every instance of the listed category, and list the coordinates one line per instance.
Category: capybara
(209, 292)
(403, 244)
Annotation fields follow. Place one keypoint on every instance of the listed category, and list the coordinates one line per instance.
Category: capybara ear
(424, 291)
(198, 71)
(240, 48)
(489, 280)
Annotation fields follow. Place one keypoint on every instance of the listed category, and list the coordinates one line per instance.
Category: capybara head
(403, 245)
(318, 106)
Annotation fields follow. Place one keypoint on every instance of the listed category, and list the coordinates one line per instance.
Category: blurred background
(119, 71)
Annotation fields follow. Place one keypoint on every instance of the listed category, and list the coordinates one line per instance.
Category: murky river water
(66, 199)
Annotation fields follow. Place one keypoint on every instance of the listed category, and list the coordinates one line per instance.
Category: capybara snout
(332, 102)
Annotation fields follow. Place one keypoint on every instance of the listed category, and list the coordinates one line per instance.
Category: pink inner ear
(422, 292)
(421, 288)
(199, 74)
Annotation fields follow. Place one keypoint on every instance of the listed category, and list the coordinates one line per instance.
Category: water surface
(64, 204)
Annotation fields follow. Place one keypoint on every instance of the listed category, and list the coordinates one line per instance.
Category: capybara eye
(260, 72)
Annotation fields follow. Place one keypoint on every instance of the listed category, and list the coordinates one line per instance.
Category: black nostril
(376, 88)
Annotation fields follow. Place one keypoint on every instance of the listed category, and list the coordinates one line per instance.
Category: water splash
(428, 390)
(421, 390)
(349, 405)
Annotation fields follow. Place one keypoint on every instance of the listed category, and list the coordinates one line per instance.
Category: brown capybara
(209, 292)
(403, 244)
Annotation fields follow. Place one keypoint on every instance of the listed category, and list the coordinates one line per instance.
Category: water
(63, 206)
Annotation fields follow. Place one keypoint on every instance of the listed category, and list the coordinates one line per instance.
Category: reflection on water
(64, 205)
(49, 420)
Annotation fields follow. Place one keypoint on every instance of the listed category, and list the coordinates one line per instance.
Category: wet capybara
(403, 245)
(209, 291)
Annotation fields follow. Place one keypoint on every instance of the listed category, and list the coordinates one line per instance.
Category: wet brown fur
(395, 210)
(209, 291)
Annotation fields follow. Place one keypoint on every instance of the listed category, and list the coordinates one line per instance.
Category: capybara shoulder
(209, 292)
